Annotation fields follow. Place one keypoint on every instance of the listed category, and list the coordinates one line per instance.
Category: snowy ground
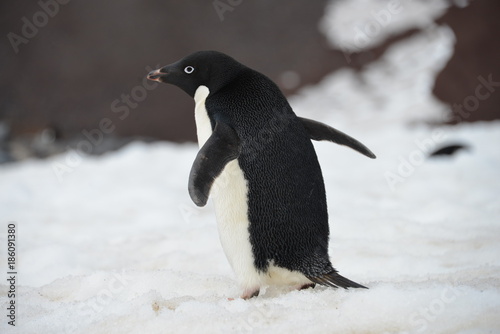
(115, 245)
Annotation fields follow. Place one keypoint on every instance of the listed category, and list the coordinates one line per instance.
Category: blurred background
(72, 70)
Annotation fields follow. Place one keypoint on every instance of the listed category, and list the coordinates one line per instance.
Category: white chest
(229, 194)
(203, 126)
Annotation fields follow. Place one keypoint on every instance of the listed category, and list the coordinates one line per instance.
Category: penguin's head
(204, 68)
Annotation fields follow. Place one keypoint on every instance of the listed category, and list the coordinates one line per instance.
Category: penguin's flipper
(320, 131)
(334, 280)
(222, 147)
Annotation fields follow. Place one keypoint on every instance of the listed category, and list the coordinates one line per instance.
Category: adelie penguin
(258, 164)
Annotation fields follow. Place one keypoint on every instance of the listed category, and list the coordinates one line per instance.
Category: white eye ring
(189, 69)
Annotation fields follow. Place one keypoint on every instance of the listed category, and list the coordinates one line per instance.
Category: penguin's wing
(320, 131)
(222, 147)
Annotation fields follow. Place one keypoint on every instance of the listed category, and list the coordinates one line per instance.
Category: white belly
(229, 194)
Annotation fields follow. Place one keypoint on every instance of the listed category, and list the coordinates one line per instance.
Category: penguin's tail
(334, 280)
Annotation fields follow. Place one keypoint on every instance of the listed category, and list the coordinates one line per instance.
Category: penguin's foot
(306, 286)
(249, 293)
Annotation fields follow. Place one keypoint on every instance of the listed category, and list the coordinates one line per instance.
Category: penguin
(258, 165)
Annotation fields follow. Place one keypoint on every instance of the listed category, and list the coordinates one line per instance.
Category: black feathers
(319, 131)
(448, 150)
(251, 120)
(334, 280)
(222, 147)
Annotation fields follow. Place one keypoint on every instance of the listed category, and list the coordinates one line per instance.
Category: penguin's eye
(189, 69)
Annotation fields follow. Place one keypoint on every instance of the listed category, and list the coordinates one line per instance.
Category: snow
(355, 25)
(113, 244)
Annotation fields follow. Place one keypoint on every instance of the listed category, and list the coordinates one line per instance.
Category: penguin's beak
(156, 75)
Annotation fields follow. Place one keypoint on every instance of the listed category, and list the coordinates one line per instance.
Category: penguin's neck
(203, 125)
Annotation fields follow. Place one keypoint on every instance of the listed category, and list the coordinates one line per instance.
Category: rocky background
(76, 69)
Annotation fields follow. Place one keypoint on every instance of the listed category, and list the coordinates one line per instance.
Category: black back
(286, 195)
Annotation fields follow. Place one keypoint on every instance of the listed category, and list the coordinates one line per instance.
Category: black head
(208, 68)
